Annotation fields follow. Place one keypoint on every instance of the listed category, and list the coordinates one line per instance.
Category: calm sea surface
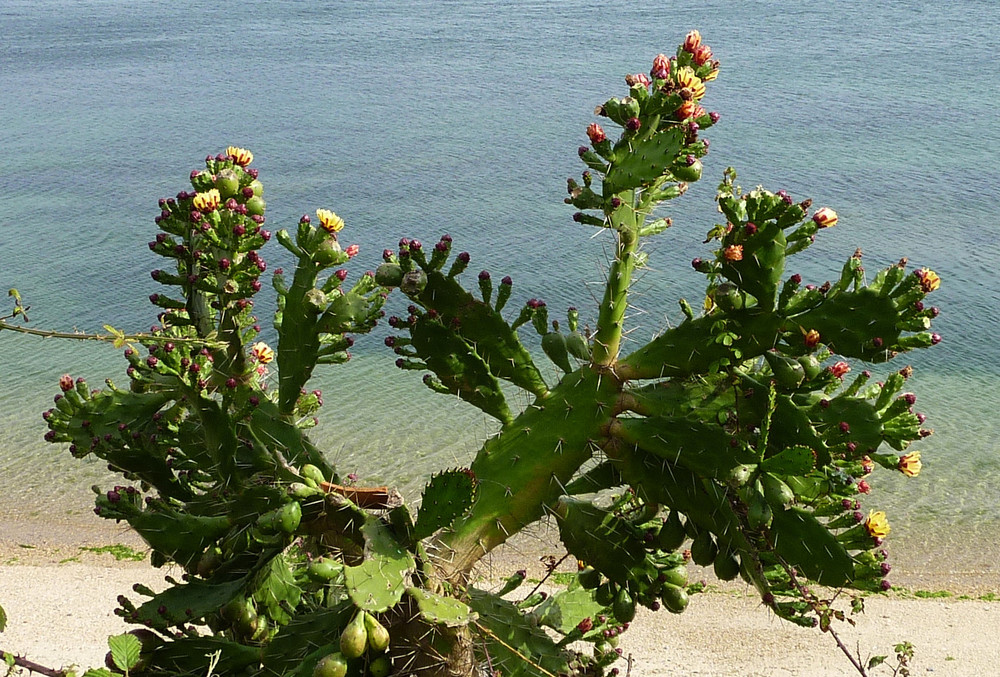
(417, 118)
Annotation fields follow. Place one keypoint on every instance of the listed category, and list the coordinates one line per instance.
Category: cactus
(735, 428)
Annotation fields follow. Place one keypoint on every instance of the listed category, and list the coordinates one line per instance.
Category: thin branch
(32, 666)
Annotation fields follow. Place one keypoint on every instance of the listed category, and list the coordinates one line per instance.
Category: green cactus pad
(790, 461)
(446, 497)
(509, 636)
(377, 584)
(441, 610)
(807, 545)
(200, 598)
(186, 657)
(275, 590)
(303, 634)
(701, 447)
(460, 368)
(638, 162)
(485, 329)
(564, 610)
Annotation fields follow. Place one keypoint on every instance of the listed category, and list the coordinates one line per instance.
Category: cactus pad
(446, 497)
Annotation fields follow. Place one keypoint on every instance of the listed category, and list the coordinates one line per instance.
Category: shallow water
(464, 118)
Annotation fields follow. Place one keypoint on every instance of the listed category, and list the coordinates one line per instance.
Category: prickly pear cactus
(739, 438)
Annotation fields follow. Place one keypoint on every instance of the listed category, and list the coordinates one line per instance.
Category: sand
(60, 599)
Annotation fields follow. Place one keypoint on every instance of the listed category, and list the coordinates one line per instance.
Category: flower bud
(825, 217)
(691, 42)
(661, 67)
(702, 54)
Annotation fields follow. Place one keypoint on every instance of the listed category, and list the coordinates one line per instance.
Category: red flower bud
(596, 133)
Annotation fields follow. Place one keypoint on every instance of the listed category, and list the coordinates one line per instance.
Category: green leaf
(3, 619)
(125, 651)
(100, 672)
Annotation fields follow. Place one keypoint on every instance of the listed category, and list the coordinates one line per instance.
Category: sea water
(419, 118)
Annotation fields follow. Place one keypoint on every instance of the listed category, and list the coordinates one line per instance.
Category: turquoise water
(419, 118)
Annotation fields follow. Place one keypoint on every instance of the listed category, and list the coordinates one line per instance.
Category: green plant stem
(106, 338)
(611, 318)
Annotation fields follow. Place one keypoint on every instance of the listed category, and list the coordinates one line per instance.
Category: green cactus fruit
(726, 566)
(758, 511)
(380, 667)
(810, 366)
(389, 275)
(209, 561)
(677, 575)
(332, 665)
(257, 187)
(227, 183)
(776, 493)
(327, 252)
(325, 569)
(605, 593)
(683, 171)
(741, 474)
(354, 638)
(590, 578)
(577, 346)
(672, 533)
(703, 549)
(289, 517)
(256, 206)
(675, 598)
(413, 282)
(788, 373)
(729, 297)
(378, 636)
(555, 347)
(623, 608)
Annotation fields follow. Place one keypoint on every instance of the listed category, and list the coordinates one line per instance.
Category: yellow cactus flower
(909, 464)
(825, 217)
(262, 352)
(929, 280)
(811, 338)
(241, 156)
(330, 221)
(877, 524)
(207, 201)
(687, 78)
(712, 74)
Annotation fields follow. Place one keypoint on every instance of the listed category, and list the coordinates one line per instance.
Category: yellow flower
(687, 78)
(825, 218)
(877, 524)
(207, 201)
(241, 156)
(262, 352)
(909, 464)
(929, 280)
(331, 222)
(811, 338)
(712, 74)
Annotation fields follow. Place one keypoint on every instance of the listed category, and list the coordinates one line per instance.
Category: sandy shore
(60, 601)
